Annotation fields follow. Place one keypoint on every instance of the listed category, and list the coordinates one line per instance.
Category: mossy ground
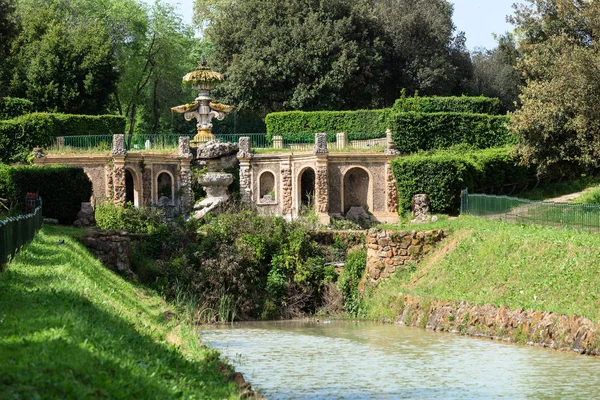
(70, 328)
(492, 262)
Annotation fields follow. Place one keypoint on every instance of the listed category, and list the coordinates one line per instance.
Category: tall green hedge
(300, 125)
(18, 136)
(414, 131)
(12, 107)
(463, 104)
(443, 175)
(61, 188)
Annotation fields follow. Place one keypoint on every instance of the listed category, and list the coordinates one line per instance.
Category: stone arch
(266, 185)
(132, 187)
(165, 186)
(357, 188)
(306, 187)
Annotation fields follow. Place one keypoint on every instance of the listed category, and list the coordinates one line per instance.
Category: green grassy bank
(70, 328)
(491, 262)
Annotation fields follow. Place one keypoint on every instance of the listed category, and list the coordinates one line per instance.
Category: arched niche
(132, 187)
(165, 188)
(306, 187)
(357, 189)
(266, 185)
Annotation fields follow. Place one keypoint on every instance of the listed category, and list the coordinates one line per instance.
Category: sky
(479, 19)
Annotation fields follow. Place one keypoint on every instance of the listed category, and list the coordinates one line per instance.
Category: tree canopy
(558, 123)
(333, 54)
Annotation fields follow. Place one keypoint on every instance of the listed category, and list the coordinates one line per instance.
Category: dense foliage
(462, 104)
(12, 107)
(333, 54)
(240, 266)
(354, 268)
(18, 136)
(129, 218)
(414, 131)
(299, 125)
(558, 122)
(444, 174)
(61, 188)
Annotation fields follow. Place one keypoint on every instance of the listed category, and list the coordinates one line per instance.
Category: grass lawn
(70, 328)
(492, 262)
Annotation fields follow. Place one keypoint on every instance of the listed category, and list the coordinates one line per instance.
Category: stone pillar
(391, 146)
(322, 189)
(118, 148)
(278, 142)
(118, 183)
(320, 144)
(185, 184)
(286, 187)
(244, 155)
(147, 185)
(341, 139)
(391, 190)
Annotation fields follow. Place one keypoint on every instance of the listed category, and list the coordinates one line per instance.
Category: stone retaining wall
(389, 250)
(536, 328)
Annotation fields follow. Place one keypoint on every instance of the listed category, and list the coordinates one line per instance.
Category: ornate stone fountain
(202, 108)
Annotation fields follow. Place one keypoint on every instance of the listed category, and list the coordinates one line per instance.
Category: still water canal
(363, 360)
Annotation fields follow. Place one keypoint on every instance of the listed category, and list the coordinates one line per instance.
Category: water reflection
(358, 360)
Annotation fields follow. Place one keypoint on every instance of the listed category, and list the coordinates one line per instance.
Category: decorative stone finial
(38, 152)
(320, 143)
(118, 148)
(183, 150)
(391, 146)
(244, 147)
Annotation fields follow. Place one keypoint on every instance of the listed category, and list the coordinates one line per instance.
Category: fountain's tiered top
(202, 108)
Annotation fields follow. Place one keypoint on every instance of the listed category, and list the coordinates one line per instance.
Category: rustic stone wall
(392, 191)
(389, 250)
(546, 329)
(112, 248)
(118, 183)
(286, 191)
(245, 183)
(321, 189)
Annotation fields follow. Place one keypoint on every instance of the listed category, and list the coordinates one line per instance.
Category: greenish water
(363, 360)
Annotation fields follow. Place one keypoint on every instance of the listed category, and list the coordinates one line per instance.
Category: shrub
(18, 136)
(463, 104)
(444, 174)
(61, 188)
(129, 218)
(354, 268)
(12, 107)
(301, 126)
(414, 131)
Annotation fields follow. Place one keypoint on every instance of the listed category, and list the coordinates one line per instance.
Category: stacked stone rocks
(389, 250)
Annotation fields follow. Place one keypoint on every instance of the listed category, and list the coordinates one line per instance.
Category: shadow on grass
(57, 341)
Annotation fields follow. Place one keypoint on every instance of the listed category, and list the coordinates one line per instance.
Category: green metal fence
(152, 142)
(513, 209)
(15, 232)
(257, 140)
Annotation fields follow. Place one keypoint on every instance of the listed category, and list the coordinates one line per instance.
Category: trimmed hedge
(413, 131)
(443, 175)
(61, 188)
(18, 136)
(12, 107)
(463, 104)
(301, 126)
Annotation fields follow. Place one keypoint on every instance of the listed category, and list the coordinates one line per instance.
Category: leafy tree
(422, 52)
(558, 123)
(63, 60)
(333, 54)
(9, 28)
(495, 73)
(297, 54)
